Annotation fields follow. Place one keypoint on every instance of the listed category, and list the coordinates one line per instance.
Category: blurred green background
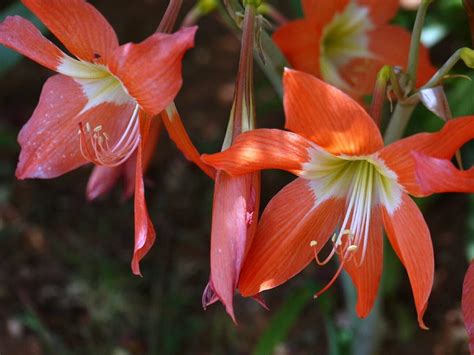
(65, 282)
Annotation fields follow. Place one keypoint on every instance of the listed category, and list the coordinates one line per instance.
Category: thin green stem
(399, 122)
(415, 42)
(444, 70)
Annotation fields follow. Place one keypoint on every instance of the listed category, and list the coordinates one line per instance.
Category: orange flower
(101, 107)
(346, 42)
(349, 187)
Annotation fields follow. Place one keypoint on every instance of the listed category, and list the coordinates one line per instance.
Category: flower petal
(366, 276)
(322, 11)
(468, 305)
(441, 145)
(262, 149)
(177, 132)
(144, 231)
(23, 37)
(281, 247)
(327, 116)
(234, 220)
(49, 140)
(414, 248)
(79, 26)
(440, 175)
(380, 11)
(151, 70)
(300, 43)
(102, 180)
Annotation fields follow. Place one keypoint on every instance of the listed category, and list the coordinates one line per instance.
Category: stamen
(95, 146)
(348, 253)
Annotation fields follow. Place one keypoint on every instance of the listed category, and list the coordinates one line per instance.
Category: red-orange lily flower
(346, 43)
(468, 304)
(349, 188)
(101, 106)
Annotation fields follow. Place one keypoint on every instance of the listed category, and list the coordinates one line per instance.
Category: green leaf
(283, 320)
(8, 57)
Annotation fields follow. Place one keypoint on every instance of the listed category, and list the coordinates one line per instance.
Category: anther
(352, 248)
(313, 243)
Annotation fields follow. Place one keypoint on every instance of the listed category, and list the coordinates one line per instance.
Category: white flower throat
(364, 182)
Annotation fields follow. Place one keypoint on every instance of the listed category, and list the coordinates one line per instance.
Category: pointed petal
(327, 116)
(49, 140)
(102, 180)
(380, 11)
(23, 37)
(262, 149)
(151, 70)
(144, 231)
(234, 219)
(322, 11)
(366, 276)
(468, 305)
(300, 43)
(441, 145)
(177, 132)
(281, 247)
(414, 248)
(440, 175)
(381, 45)
(79, 26)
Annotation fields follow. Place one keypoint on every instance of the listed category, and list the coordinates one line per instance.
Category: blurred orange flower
(346, 42)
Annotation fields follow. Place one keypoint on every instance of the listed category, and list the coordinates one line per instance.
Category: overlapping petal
(281, 247)
(366, 275)
(234, 220)
(23, 37)
(151, 70)
(79, 26)
(410, 238)
(327, 116)
(441, 145)
(262, 149)
(380, 11)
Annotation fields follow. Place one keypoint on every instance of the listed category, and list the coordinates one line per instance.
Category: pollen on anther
(313, 243)
(351, 248)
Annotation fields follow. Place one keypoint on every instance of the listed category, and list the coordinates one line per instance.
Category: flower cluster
(107, 103)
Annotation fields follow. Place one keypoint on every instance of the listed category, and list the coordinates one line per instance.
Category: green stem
(444, 70)
(415, 42)
(399, 122)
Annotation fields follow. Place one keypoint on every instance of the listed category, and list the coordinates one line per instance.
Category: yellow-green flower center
(343, 39)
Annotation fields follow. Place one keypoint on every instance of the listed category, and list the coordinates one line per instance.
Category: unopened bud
(467, 55)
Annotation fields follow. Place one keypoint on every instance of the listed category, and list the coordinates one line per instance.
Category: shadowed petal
(468, 305)
(440, 175)
(79, 26)
(102, 180)
(262, 149)
(366, 277)
(328, 116)
(441, 145)
(410, 238)
(300, 43)
(281, 247)
(234, 219)
(151, 70)
(23, 37)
